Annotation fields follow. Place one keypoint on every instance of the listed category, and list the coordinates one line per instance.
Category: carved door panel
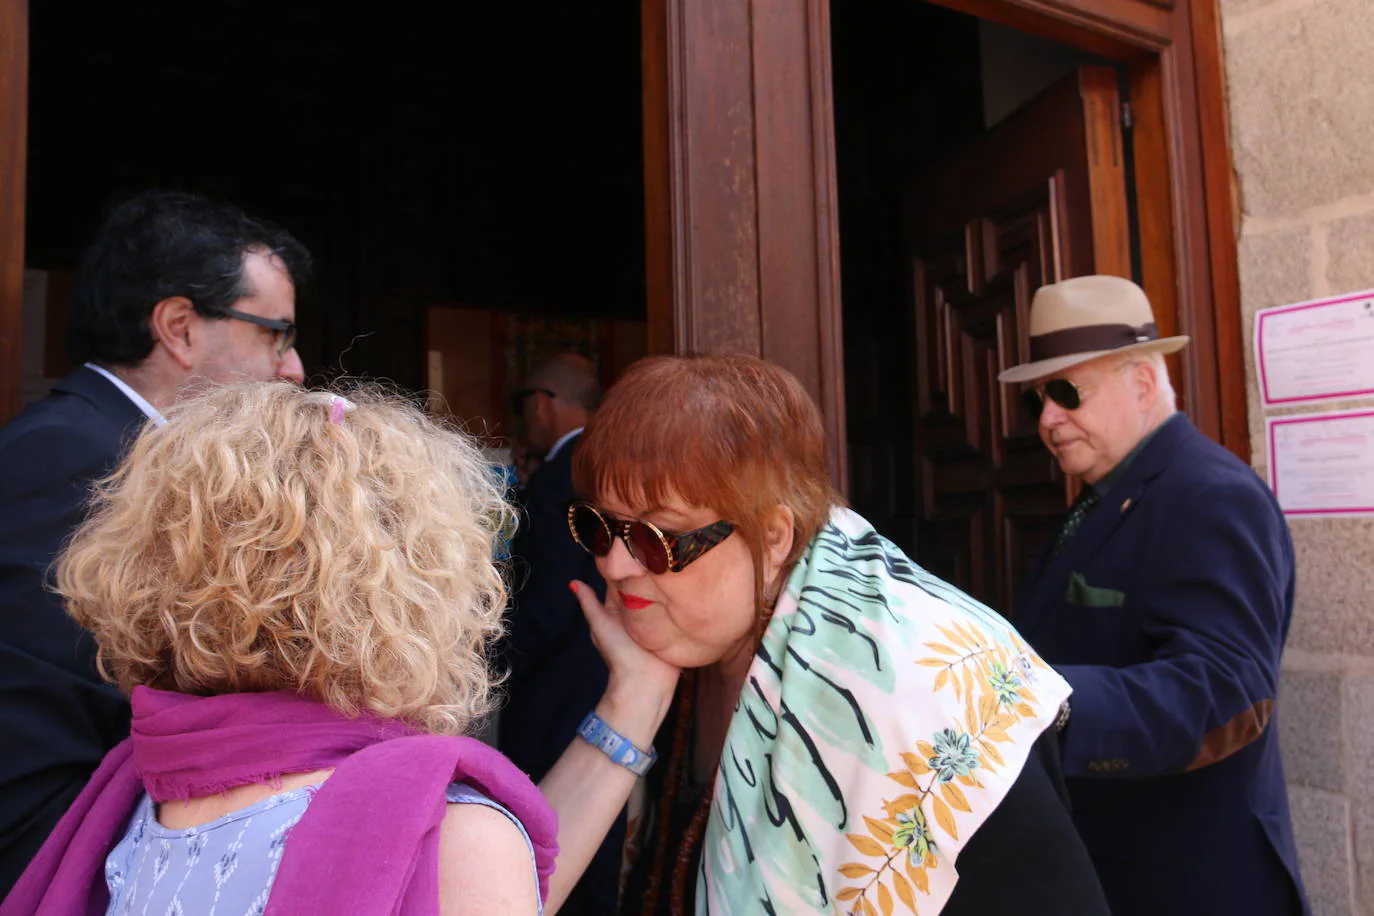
(1039, 198)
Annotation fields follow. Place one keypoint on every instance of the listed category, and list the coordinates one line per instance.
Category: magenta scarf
(368, 843)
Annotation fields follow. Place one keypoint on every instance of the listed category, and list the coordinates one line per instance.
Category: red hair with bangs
(728, 432)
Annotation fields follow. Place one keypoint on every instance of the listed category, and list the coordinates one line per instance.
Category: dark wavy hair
(160, 244)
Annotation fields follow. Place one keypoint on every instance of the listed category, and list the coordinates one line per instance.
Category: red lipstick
(634, 602)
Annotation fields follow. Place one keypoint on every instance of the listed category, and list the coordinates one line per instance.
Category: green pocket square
(1085, 595)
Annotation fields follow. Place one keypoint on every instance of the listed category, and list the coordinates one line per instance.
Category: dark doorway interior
(488, 155)
(915, 86)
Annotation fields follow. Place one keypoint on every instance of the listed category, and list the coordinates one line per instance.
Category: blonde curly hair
(254, 545)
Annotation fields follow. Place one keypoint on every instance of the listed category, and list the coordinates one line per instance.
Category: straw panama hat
(1080, 319)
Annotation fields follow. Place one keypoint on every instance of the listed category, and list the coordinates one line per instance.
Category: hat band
(1090, 338)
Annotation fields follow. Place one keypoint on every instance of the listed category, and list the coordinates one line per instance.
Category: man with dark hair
(175, 291)
(556, 673)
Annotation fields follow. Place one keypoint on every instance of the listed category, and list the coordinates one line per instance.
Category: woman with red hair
(848, 733)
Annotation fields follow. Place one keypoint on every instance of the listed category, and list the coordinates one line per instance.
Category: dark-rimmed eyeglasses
(520, 395)
(652, 548)
(284, 331)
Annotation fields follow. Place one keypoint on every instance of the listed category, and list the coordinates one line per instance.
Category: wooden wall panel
(1193, 278)
(799, 294)
(742, 246)
(1154, 202)
(1106, 171)
(663, 243)
(1218, 177)
(14, 94)
(701, 109)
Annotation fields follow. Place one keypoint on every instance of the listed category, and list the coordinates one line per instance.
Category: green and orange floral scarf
(884, 718)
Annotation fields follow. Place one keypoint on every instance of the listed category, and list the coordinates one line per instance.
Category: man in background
(556, 673)
(175, 291)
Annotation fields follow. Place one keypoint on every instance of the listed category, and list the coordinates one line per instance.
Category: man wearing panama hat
(1165, 600)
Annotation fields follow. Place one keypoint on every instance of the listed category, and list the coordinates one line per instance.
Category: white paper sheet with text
(1315, 351)
(1322, 465)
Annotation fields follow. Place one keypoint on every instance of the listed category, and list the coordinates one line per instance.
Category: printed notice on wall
(1322, 465)
(1316, 351)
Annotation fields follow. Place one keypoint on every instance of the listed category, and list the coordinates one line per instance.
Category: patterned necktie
(1084, 504)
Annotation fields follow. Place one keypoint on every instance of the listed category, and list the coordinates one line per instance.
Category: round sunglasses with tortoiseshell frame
(657, 551)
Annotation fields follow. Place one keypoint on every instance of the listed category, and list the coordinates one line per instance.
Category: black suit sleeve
(1027, 858)
(47, 474)
(58, 717)
(544, 611)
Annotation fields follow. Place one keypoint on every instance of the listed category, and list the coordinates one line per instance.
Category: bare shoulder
(484, 864)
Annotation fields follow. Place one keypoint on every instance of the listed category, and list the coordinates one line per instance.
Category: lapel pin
(1126, 505)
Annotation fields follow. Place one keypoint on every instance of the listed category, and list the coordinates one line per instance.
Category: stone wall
(1301, 91)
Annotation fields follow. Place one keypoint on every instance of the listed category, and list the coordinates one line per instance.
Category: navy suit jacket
(1167, 612)
(57, 717)
(557, 675)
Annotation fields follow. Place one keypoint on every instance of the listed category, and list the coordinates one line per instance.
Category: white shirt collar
(558, 446)
(149, 411)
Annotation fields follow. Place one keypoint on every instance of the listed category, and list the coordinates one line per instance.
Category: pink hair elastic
(337, 408)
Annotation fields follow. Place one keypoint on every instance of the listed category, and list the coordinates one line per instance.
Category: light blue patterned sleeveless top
(225, 867)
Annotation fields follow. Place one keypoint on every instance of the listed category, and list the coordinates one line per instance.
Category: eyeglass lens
(591, 532)
(594, 533)
(1060, 390)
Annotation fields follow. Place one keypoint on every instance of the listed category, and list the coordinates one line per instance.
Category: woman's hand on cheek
(637, 676)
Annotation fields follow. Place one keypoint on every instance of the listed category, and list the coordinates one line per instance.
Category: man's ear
(779, 532)
(171, 325)
(1143, 375)
(545, 409)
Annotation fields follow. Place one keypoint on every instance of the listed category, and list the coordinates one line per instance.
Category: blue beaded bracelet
(614, 745)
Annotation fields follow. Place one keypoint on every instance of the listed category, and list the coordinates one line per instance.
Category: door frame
(14, 122)
(743, 241)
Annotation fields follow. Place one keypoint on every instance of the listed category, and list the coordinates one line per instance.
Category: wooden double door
(1039, 198)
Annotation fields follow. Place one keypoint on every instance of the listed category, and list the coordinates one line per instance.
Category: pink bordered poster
(1322, 465)
(1316, 351)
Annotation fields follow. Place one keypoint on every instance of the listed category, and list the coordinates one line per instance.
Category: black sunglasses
(285, 331)
(651, 548)
(520, 395)
(1059, 390)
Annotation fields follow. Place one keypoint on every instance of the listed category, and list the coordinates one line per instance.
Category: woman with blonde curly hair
(297, 591)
